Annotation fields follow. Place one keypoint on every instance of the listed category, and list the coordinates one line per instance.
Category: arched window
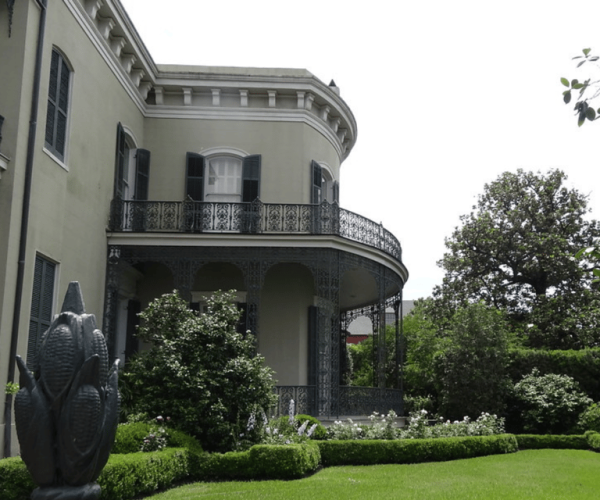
(223, 177)
(323, 185)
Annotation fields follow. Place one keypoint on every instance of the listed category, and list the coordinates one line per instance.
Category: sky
(447, 95)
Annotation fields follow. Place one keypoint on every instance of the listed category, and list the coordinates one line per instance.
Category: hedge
(557, 442)
(408, 451)
(583, 366)
(123, 477)
(593, 440)
(261, 462)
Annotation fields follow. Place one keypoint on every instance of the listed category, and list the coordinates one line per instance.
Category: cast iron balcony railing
(252, 218)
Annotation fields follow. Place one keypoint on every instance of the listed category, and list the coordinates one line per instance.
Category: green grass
(529, 474)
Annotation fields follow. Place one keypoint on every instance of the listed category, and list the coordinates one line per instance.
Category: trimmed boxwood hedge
(557, 442)
(261, 462)
(408, 451)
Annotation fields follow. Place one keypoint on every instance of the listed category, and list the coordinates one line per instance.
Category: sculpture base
(86, 492)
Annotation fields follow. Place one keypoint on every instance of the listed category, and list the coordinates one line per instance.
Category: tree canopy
(517, 251)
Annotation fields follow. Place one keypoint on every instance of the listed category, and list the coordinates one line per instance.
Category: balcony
(255, 218)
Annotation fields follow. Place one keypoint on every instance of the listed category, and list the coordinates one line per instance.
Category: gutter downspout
(24, 224)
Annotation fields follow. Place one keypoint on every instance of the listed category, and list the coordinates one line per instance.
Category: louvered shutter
(41, 307)
(316, 182)
(120, 163)
(336, 192)
(142, 174)
(251, 178)
(194, 179)
(58, 105)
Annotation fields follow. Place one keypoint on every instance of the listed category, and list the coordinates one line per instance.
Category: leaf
(578, 86)
(594, 58)
(586, 51)
(574, 82)
(582, 62)
(565, 82)
(567, 97)
(581, 119)
(576, 57)
(590, 114)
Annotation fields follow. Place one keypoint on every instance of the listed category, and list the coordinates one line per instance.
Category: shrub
(593, 440)
(550, 403)
(405, 451)
(15, 480)
(206, 374)
(538, 442)
(130, 437)
(589, 420)
(485, 425)
(320, 431)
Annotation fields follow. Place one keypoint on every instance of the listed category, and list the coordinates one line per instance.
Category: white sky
(447, 94)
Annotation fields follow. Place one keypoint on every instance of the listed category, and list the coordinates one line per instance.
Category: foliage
(15, 481)
(593, 439)
(262, 461)
(380, 427)
(11, 388)
(198, 367)
(419, 428)
(551, 403)
(589, 420)
(403, 451)
(362, 357)
(516, 252)
(583, 365)
(472, 368)
(583, 110)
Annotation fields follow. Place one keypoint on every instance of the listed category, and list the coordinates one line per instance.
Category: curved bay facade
(147, 178)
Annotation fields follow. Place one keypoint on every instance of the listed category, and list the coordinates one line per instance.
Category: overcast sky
(447, 95)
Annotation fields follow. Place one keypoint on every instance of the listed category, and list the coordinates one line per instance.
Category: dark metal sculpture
(67, 413)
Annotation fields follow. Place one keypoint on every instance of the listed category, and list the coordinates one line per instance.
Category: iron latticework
(325, 394)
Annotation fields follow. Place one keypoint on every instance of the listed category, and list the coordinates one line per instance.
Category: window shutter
(313, 321)
(194, 179)
(58, 104)
(251, 178)
(142, 174)
(316, 182)
(133, 320)
(41, 307)
(336, 192)
(120, 163)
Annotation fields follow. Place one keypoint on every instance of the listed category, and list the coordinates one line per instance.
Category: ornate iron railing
(304, 397)
(253, 218)
(366, 400)
(353, 401)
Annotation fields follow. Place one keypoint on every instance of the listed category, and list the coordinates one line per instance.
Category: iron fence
(251, 218)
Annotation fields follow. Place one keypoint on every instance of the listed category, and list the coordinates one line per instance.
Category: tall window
(41, 307)
(58, 106)
(132, 169)
(322, 185)
(223, 178)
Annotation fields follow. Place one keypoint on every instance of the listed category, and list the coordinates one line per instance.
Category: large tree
(516, 251)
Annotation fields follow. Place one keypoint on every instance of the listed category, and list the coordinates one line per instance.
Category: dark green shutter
(41, 307)
(194, 179)
(336, 192)
(316, 182)
(142, 174)
(120, 163)
(251, 178)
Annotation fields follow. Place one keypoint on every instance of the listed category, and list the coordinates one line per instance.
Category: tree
(199, 370)
(516, 251)
(472, 373)
(583, 110)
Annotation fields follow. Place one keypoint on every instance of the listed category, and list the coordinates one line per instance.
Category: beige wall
(286, 148)
(283, 323)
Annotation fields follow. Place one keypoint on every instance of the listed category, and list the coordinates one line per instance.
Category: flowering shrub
(418, 428)
(283, 430)
(158, 437)
(383, 427)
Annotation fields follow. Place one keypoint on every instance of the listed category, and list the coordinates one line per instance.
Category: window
(323, 187)
(58, 106)
(132, 169)
(223, 178)
(41, 307)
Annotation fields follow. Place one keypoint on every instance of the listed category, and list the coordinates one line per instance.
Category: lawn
(529, 474)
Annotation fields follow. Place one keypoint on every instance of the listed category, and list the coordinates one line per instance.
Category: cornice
(110, 30)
